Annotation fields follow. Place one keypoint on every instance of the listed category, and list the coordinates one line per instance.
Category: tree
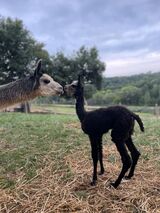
(18, 50)
(62, 68)
(147, 98)
(89, 90)
(130, 95)
(65, 69)
(88, 60)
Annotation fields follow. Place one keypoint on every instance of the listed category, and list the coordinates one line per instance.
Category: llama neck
(16, 92)
(80, 110)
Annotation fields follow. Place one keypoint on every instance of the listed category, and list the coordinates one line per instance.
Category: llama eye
(46, 81)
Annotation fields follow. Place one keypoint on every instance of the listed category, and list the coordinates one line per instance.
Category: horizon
(132, 75)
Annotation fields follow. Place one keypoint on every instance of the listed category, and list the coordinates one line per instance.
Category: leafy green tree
(130, 95)
(88, 60)
(89, 90)
(18, 50)
(104, 98)
(147, 98)
(65, 69)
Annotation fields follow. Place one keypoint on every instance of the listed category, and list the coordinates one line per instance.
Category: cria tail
(139, 121)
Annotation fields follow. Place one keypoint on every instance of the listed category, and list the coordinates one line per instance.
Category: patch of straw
(67, 188)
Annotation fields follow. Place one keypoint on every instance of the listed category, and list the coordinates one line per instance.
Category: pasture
(46, 167)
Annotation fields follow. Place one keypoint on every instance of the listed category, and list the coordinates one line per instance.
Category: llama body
(95, 123)
(15, 92)
(26, 89)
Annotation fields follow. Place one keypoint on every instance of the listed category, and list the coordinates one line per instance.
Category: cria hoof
(127, 178)
(112, 184)
(101, 173)
(93, 183)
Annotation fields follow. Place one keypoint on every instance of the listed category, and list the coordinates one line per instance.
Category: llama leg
(125, 160)
(135, 156)
(94, 152)
(100, 156)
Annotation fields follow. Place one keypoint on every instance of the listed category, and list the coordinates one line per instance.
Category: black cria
(95, 123)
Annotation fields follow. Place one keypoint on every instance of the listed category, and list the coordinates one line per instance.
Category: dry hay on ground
(67, 189)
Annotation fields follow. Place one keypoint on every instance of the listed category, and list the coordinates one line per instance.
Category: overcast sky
(126, 32)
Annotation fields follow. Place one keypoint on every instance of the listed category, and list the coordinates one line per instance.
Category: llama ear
(38, 73)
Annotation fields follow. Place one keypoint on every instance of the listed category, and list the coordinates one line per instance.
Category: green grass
(27, 139)
(70, 109)
(63, 109)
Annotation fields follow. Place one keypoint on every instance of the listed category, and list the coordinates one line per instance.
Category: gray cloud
(122, 30)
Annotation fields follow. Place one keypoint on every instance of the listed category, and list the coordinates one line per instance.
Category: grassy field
(45, 167)
(70, 109)
(54, 108)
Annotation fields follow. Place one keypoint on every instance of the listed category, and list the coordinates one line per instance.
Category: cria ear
(38, 73)
(80, 79)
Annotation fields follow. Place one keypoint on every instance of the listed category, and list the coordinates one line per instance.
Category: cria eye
(46, 81)
(74, 86)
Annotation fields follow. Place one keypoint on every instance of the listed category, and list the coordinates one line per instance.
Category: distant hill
(143, 89)
(135, 80)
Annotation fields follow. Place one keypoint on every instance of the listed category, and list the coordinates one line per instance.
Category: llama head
(44, 84)
(75, 88)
